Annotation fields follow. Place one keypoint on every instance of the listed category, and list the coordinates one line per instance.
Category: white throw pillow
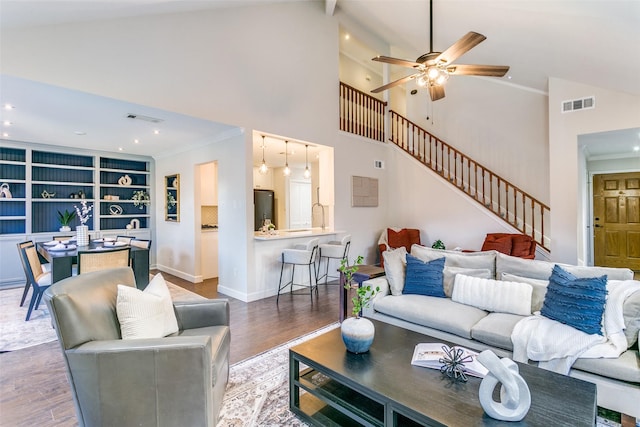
(493, 295)
(539, 289)
(449, 276)
(148, 313)
(395, 264)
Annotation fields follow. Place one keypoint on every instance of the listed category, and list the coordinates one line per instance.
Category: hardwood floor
(34, 390)
(261, 325)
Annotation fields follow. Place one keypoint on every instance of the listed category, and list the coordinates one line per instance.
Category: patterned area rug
(15, 333)
(258, 389)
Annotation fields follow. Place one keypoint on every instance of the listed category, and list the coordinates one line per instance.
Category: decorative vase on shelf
(82, 235)
(65, 228)
(357, 334)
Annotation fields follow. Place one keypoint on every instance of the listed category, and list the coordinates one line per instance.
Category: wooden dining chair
(141, 243)
(95, 260)
(37, 278)
(62, 238)
(46, 267)
(125, 239)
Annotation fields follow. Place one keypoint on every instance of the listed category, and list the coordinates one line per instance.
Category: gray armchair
(173, 381)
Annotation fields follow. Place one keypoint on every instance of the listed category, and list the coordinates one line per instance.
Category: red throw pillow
(521, 245)
(397, 239)
(497, 242)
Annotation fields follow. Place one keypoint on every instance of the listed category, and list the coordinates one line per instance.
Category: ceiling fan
(434, 68)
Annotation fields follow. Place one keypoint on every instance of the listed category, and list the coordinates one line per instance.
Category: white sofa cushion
(395, 264)
(449, 276)
(473, 260)
(496, 329)
(493, 295)
(433, 312)
(539, 288)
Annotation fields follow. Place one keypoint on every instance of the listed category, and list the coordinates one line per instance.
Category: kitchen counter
(268, 256)
(293, 234)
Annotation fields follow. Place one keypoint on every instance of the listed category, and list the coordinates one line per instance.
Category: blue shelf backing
(12, 208)
(62, 159)
(17, 189)
(128, 208)
(112, 178)
(12, 172)
(12, 226)
(13, 154)
(61, 175)
(61, 191)
(44, 216)
(116, 223)
(130, 165)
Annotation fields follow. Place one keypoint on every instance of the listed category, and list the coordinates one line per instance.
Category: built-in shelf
(34, 174)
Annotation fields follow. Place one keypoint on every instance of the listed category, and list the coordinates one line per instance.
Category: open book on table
(428, 355)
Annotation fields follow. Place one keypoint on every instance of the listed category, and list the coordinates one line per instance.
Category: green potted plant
(357, 332)
(65, 219)
(438, 244)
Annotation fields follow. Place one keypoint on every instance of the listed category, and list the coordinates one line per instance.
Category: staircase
(505, 200)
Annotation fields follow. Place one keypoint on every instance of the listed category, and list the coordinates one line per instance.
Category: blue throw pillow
(575, 302)
(424, 278)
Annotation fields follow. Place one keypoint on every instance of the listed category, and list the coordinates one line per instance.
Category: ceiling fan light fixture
(263, 167)
(422, 80)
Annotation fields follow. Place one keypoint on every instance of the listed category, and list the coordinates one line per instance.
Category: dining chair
(61, 238)
(141, 243)
(101, 259)
(125, 239)
(46, 267)
(37, 278)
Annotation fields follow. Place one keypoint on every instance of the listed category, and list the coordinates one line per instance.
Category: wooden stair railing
(507, 201)
(361, 114)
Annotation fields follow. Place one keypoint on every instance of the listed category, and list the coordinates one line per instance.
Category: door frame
(589, 226)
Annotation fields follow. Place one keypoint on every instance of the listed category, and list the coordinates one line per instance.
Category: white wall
(614, 110)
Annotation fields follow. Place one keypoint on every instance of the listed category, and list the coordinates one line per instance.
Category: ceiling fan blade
(436, 92)
(395, 83)
(478, 70)
(396, 61)
(459, 48)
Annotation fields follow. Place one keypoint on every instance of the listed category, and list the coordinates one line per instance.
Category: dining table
(62, 260)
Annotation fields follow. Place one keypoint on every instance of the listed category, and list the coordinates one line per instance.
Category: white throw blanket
(557, 346)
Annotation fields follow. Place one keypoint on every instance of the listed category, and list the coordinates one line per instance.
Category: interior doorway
(616, 220)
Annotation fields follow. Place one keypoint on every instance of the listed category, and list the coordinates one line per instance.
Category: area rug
(258, 389)
(16, 333)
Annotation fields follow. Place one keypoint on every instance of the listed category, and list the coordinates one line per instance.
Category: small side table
(365, 272)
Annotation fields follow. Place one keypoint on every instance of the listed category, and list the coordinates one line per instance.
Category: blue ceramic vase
(357, 334)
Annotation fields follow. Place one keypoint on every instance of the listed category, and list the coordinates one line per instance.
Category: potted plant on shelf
(140, 199)
(65, 219)
(438, 244)
(357, 332)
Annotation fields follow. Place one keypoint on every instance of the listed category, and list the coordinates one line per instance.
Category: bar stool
(302, 254)
(333, 250)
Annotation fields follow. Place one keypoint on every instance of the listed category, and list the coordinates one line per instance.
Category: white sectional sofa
(617, 379)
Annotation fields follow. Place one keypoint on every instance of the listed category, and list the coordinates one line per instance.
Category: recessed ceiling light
(135, 141)
(347, 36)
(509, 77)
(119, 148)
(156, 132)
(636, 148)
(7, 123)
(5, 135)
(8, 107)
(80, 133)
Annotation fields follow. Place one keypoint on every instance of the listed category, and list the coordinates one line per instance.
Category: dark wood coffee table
(382, 388)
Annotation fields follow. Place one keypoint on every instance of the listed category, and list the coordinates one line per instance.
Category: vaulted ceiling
(594, 42)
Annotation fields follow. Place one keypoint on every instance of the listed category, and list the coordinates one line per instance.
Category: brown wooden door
(616, 219)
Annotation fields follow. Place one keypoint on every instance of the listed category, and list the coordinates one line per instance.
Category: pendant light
(263, 167)
(307, 172)
(287, 171)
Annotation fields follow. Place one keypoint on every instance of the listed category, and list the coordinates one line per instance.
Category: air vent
(578, 104)
(144, 118)
(378, 164)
